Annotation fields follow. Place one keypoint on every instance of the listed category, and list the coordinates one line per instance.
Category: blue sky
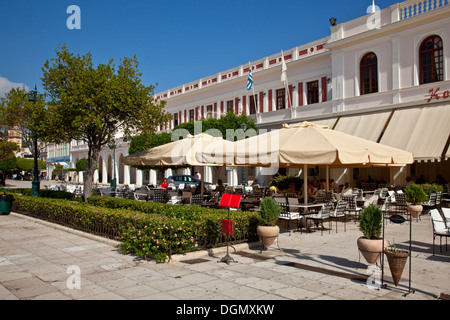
(175, 41)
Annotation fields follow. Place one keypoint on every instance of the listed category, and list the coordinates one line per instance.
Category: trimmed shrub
(146, 229)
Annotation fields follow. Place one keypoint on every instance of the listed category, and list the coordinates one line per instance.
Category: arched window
(431, 60)
(369, 73)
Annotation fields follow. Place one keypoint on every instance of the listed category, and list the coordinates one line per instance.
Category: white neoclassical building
(384, 76)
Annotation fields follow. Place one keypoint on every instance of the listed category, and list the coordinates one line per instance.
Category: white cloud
(6, 85)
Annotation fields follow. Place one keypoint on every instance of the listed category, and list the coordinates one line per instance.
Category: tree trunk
(89, 170)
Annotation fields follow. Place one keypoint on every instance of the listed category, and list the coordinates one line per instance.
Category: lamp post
(113, 147)
(244, 127)
(32, 96)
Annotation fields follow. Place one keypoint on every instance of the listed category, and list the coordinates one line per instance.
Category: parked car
(186, 180)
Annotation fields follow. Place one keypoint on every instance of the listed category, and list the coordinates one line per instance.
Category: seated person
(312, 190)
(274, 186)
(334, 186)
(220, 186)
(200, 188)
(291, 188)
(172, 184)
(164, 184)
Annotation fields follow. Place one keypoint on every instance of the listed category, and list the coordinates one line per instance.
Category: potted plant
(268, 229)
(396, 260)
(370, 224)
(414, 196)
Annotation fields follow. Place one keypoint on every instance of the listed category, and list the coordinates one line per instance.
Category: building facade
(383, 77)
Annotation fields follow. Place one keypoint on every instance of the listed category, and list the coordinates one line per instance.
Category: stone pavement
(40, 260)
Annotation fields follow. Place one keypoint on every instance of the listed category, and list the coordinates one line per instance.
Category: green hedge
(44, 193)
(145, 229)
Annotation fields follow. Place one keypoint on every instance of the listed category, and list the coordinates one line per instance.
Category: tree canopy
(96, 104)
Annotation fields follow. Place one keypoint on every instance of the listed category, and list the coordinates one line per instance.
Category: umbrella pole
(328, 178)
(305, 183)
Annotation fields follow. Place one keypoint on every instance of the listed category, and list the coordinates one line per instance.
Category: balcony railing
(414, 8)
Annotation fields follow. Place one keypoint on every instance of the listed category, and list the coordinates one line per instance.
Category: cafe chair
(287, 215)
(339, 213)
(446, 214)
(196, 199)
(430, 204)
(322, 215)
(159, 196)
(351, 206)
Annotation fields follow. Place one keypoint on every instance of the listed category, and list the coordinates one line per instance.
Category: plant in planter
(370, 223)
(268, 229)
(396, 260)
(415, 195)
(6, 201)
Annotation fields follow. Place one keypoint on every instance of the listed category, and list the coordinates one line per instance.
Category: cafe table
(305, 209)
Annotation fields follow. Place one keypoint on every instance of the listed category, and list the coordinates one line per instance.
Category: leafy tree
(229, 121)
(23, 164)
(80, 165)
(19, 113)
(7, 149)
(225, 122)
(94, 104)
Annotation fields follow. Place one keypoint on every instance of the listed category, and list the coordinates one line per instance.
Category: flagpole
(253, 88)
(285, 79)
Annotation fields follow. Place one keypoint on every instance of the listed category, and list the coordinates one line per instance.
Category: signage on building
(436, 94)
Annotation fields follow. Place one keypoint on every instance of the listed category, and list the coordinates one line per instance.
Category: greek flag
(250, 79)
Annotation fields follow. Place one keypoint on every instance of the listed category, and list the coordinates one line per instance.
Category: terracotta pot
(415, 210)
(371, 249)
(397, 263)
(268, 234)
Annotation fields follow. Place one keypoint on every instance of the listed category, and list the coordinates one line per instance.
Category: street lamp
(244, 127)
(33, 96)
(113, 147)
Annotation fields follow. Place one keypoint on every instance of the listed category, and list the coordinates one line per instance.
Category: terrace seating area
(322, 211)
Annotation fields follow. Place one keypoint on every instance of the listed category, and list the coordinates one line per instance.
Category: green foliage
(81, 165)
(370, 222)
(269, 212)
(44, 193)
(8, 165)
(93, 104)
(21, 164)
(146, 229)
(148, 140)
(415, 194)
(7, 150)
(229, 121)
(283, 182)
(17, 112)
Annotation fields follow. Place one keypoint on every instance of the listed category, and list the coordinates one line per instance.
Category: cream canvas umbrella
(306, 144)
(199, 150)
